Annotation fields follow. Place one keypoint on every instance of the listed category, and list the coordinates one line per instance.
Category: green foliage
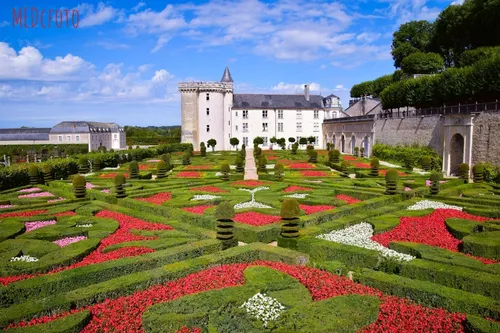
(411, 37)
(303, 141)
(291, 140)
(79, 189)
(186, 158)
(203, 149)
(295, 146)
(335, 156)
(391, 180)
(279, 171)
(476, 324)
(425, 162)
(313, 156)
(435, 178)
(212, 143)
(422, 63)
(374, 163)
(477, 172)
(257, 151)
(83, 164)
(71, 323)
(161, 169)
(262, 163)
(96, 165)
(119, 179)
(471, 57)
(133, 170)
(239, 164)
(356, 151)
(290, 209)
(483, 244)
(33, 173)
(225, 169)
(362, 89)
(399, 153)
(224, 211)
(234, 142)
(408, 162)
(258, 140)
(47, 173)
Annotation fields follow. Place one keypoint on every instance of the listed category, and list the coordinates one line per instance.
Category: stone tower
(206, 111)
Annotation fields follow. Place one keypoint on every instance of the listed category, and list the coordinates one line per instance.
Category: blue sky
(124, 60)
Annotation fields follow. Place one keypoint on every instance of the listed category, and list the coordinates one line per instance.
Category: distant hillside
(152, 135)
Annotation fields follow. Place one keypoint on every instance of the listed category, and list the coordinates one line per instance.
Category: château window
(236, 113)
(299, 127)
(316, 127)
(245, 140)
(208, 128)
(264, 127)
(280, 114)
(208, 111)
(264, 114)
(317, 141)
(245, 127)
(68, 138)
(299, 114)
(236, 128)
(245, 114)
(77, 138)
(208, 96)
(265, 141)
(316, 114)
(280, 127)
(59, 138)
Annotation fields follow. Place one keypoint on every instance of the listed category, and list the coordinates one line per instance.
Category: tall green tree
(411, 37)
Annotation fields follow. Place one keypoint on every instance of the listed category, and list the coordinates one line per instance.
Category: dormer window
(208, 96)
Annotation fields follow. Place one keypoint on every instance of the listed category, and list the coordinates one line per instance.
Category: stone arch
(366, 144)
(353, 143)
(456, 152)
(342, 143)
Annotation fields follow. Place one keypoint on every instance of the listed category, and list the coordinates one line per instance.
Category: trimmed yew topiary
(225, 169)
(289, 213)
(167, 157)
(262, 164)
(119, 189)
(295, 146)
(362, 151)
(33, 174)
(224, 213)
(79, 189)
(313, 156)
(97, 163)
(391, 181)
(356, 151)
(257, 151)
(161, 170)
(426, 163)
(336, 156)
(343, 168)
(408, 165)
(464, 171)
(239, 164)
(478, 172)
(435, 178)
(203, 149)
(133, 169)
(374, 163)
(279, 172)
(83, 165)
(47, 173)
(186, 158)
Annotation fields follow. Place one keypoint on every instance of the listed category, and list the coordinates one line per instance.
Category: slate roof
(265, 101)
(24, 134)
(332, 95)
(371, 106)
(84, 127)
(226, 77)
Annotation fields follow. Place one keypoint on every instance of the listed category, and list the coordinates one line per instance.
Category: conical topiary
(343, 168)
(391, 181)
(161, 170)
(83, 165)
(435, 178)
(256, 153)
(374, 163)
(119, 189)
(279, 172)
(336, 156)
(47, 173)
(408, 165)
(224, 213)
(313, 156)
(97, 163)
(203, 149)
(239, 164)
(133, 169)
(478, 172)
(426, 163)
(167, 158)
(362, 151)
(262, 164)
(289, 213)
(463, 172)
(186, 158)
(225, 169)
(79, 188)
(34, 174)
(356, 151)
(295, 146)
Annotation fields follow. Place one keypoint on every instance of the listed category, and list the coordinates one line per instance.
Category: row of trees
(259, 141)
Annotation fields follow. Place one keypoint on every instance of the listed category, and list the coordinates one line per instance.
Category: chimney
(306, 91)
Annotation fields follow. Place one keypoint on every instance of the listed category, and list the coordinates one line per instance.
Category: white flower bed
(360, 235)
(270, 166)
(88, 225)
(199, 197)
(422, 172)
(387, 164)
(297, 195)
(110, 168)
(252, 203)
(25, 258)
(426, 204)
(263, 308)
(218, 174)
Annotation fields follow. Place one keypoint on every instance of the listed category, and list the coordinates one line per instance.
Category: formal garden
(171, 240)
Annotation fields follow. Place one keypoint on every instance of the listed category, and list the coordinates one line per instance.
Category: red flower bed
(256, 219)
(122, 234)
(284, 162)
(124, 314)
(158, 198)
(315, 209)
(271, 157)
(429, 229)
(294, 188)
(347, 198)
(197, 209)
(362, 165)
(400, 173)
(68, 213)
(249, 183)
(146, 166)
(189, 174)
(210, 188)
(348, 158)
(112, 175)
(302, 166)
(313, 173)
(26, 213)
(199, 167)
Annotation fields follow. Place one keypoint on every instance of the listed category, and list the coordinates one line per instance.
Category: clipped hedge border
(73, 323)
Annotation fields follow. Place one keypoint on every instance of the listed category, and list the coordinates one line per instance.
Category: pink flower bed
(294, 188)
(29, 190)
(68, 240)
(89, 186)
(428, 182)
(56, 200)
(315, 209)
(153, 161)
(7, 206)
(30, 226)
(256, 219)
(35, 195)
(106, 190)
(407, 189)
(347, 198)
(198, 209)
(189, 174)
(199, 167)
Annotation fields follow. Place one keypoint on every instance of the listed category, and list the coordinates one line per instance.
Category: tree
(203, 149)
(273, 140)
(234, 142)
(422, 63)
(411, 37)
(212, 143)
(470, 57)
(311, 139)
(282, 143)
(362, 89)
(258, 141)
(303, 141)
(291, 140)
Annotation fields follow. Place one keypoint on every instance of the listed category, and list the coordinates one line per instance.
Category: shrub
(477, 172)
(133, 169)
(356, 151)
(83, 165)
(313, 156)
(336, 156)
(119, 189)
(362, 151)
(186, 158)
(279, 171)
(391, 181)
(212, 143)
(47, 173)
(303, 141)
(262, 164)
(463, 171)
(161, 170)
(79, 189)
(422, 63)
(167, 158)
(190, 150)
(295, 146)
(239, 164)
(256, 153)
(435, 178)
(408, 165)
(97, 163)
(374, 163)
(426, 163)
(33, 173)
(225, 169)
(289, 213)
(203, 149)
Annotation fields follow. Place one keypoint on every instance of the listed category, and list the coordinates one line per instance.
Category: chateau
(211, 110)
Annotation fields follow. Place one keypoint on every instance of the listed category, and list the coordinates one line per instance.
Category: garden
(178, 241)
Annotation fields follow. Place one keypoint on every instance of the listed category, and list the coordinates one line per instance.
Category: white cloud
(410, 10)
(111, 45)
(292, 88)
(368, 37)
(149, 21)
(4, 24)
(138, 6)
(99, 15)
(161, 42)
(458, 2)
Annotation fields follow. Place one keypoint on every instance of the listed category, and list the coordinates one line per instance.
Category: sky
(123, 61)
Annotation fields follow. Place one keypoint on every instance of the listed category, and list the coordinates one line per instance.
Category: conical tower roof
(226, 77)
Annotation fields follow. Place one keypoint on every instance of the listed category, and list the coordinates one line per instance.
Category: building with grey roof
(211, 110)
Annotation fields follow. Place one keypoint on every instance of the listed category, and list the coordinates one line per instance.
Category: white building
(210, 110)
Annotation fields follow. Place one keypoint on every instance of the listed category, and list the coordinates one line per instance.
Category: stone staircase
(250, 168)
